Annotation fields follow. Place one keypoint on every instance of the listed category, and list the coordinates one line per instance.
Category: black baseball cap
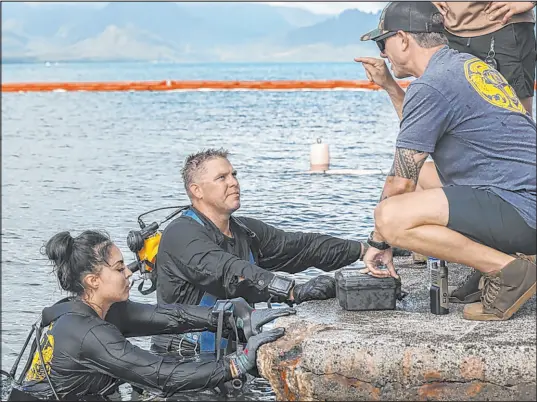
(406, 16)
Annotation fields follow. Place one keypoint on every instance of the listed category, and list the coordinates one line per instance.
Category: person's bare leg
(428, 177)
(417, 221)
(528, 105)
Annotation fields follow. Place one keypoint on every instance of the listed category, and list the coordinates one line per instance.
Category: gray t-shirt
(467, 117)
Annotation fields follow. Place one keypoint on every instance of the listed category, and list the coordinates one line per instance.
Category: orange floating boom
(170, 85)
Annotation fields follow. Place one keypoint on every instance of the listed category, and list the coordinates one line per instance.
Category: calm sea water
(75, 161)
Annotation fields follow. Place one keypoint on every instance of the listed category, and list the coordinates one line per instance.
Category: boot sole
(508, 313)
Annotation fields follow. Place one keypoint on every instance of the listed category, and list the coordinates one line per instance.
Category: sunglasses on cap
(381, 43)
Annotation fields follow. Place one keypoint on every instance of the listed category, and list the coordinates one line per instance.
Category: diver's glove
(251, 320)
(321, 287)
(244, 361)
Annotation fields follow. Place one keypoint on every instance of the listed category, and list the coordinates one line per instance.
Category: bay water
(96, 160)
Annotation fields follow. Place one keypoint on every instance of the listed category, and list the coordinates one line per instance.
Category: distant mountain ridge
(181, 32)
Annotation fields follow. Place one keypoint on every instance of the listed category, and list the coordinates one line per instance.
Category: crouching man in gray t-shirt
(477, 204)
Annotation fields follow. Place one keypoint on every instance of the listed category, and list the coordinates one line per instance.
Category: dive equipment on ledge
(357, 291)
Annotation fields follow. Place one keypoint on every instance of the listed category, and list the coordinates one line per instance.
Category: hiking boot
(504, 291)
(469, 291)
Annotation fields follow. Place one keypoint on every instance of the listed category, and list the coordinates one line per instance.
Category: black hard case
(360, 292)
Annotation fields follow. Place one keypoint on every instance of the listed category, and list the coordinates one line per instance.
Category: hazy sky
(328, 7)
(334, 7)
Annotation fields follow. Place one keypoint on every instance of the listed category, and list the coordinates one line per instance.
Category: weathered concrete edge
(378, 371)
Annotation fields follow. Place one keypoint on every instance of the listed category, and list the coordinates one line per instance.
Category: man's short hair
(195, 163)
(428, 40)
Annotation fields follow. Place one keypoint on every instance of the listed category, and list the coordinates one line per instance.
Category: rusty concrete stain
(407, 364)
(474, 389)
(432, 376)
(288, 395)
(285, 367)
(374, 392)
(473, 368)
(431, 391)
(445, 390)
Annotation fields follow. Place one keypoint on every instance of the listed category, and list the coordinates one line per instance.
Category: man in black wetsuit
(207, 253)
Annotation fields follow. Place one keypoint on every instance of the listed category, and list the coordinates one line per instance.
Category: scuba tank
(36, 351)
(144, 244)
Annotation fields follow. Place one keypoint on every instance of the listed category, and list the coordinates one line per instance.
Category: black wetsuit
(85, 354)
(197, 263)
(195, 258)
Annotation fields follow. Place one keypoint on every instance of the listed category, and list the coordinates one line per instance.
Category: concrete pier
(406, 354)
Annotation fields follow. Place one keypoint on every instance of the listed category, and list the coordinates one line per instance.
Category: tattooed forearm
(392, 170)
(408, 163)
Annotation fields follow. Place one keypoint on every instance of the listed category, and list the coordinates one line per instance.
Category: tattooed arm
(403, 176)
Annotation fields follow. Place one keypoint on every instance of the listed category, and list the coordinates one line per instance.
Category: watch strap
(376, 244)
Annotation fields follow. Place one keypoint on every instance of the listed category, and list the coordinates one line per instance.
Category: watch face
(280, 283)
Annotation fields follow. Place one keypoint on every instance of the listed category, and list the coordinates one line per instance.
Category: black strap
(38, 342)
(218, 338)
(13, 371)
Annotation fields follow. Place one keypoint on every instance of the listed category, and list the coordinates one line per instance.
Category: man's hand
(321, 287)
(377, 72)
(374, 257)
(442, 6)
(504, 10)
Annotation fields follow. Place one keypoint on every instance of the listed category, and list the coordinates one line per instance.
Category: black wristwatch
(281, 286)
(376, 244)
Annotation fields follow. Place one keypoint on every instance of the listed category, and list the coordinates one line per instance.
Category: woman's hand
(251, 320)
(242, 362)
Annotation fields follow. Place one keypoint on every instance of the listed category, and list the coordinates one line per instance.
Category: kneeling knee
(385, 221)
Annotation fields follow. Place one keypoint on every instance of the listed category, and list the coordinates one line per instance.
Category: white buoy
(319, 157)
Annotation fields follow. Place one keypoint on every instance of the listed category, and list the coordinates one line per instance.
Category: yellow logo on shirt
(491, 85)
(36, 372)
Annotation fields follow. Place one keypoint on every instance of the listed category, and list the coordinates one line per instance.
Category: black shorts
(516, 53)
(487, 219)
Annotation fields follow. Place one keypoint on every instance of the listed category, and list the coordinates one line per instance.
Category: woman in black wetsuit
(84, 350)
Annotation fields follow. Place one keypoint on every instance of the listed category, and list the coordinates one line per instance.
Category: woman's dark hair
(74, 258)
